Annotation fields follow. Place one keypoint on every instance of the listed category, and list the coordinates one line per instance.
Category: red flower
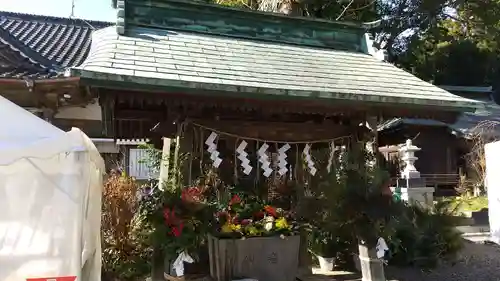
(259, 215)
(192, 194)
(169, 216)
(235, 200)
(177, 230)
(270, 211)
(221, 214)
(246, 222)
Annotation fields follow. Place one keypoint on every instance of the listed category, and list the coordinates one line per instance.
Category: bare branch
(345, 10)
(481, 134)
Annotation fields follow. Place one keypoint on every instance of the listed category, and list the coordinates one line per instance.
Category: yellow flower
(281, 223)
(230, 227)
(253, 231)
(226, 228)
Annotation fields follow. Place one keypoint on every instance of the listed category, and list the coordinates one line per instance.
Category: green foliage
(422, 238)
(330, 233)
(367, 208)
(462, 49)
(461, 204)
(349, 206)
(173, 227)
(171, 224)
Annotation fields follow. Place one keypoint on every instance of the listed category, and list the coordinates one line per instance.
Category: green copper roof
(190, 62)
(220, 20)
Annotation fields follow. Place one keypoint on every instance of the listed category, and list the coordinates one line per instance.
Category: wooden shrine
(181, 70)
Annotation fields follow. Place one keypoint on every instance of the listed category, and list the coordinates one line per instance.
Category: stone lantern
(413, 188)
(409, 158)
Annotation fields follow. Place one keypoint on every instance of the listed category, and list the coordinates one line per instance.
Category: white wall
(492, 153)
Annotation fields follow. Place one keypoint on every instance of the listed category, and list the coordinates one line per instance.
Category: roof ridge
(59, 20)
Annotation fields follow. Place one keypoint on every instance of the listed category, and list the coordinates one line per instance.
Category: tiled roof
(242, 66)
(41, 46)
(482, 121)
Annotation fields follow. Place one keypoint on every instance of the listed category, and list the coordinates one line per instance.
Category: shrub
(125, 253)
(422, 238)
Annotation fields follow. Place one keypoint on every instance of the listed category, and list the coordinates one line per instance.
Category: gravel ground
(477, 262)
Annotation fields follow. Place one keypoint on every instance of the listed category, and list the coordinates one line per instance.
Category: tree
(404, 20)
(443, 59)
(458, 50)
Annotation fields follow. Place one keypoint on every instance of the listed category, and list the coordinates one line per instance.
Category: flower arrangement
(194, 197)
(240, 218)
(173, 225)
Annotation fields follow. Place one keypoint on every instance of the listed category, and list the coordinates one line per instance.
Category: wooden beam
(307, 106)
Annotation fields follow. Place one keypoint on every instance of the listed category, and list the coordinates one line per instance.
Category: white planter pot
(326, 264)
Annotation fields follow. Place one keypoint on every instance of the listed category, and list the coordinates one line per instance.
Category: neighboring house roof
(485, 119)
(246, 53)
(42, 47)
(467, 89)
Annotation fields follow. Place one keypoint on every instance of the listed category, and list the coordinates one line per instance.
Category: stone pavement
(478, 261)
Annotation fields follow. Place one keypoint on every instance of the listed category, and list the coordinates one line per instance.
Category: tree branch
(345, 10)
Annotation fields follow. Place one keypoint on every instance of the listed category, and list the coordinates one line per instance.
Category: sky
(100, 10)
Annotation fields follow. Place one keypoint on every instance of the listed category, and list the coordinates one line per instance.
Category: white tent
(50, 199)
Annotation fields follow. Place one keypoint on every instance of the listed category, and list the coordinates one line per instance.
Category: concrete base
(371, 267)
(422, 196)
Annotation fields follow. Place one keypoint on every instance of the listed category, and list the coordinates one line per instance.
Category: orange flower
(270, 211)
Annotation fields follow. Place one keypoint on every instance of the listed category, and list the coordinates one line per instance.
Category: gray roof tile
(198, 60)
(40, 46)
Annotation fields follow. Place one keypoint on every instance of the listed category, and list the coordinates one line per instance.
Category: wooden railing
(437, 180)
(441, 179)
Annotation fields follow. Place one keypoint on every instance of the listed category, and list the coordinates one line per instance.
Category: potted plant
(245, 230)
(366, 207)
(325, 246)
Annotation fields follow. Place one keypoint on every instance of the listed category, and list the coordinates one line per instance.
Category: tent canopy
(20, 127)
(24, 135)
(50, 199)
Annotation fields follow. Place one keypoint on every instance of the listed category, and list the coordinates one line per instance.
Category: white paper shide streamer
(212, 149)
(308, 159)
(243, 156)
(178, 265)
(282, 163)
(331, 156)
(381, 248)
(264, 160)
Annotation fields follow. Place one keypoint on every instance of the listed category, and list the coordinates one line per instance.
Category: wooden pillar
(164, 163)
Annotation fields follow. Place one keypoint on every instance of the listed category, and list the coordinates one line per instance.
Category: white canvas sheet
(20, 128)
(50, 199)
(492, 153)
(50, 211)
